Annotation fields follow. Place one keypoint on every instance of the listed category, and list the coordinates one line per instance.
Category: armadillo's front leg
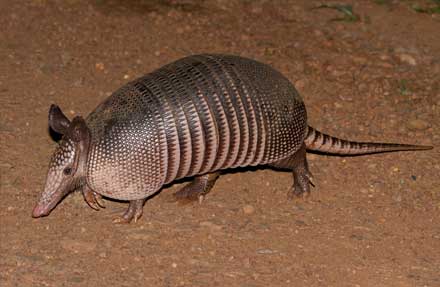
(198, 188)
(93, 199)
(134, 212)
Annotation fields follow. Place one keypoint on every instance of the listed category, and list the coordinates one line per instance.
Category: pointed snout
(48, 202)
(40, 210)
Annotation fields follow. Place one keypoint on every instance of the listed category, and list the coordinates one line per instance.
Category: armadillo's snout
(48, 202)
(40, 210)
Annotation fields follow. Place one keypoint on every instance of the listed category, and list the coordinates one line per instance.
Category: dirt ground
(370, 221)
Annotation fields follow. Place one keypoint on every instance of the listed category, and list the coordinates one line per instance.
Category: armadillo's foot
(301, 175)
(134, 212)
(197, 189)
(93, 199)
(302, 180)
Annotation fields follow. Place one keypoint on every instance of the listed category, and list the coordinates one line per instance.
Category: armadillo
(194, 117)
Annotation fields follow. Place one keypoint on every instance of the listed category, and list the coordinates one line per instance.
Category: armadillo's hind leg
(134, 212)
(198, 188)
(301, 175)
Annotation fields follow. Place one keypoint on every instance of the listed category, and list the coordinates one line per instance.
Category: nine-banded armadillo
(191, 118)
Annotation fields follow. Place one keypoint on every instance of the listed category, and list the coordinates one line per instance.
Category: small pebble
(338, 105)
(384, 57)
(300, 84)
(408, 59)
(265, 251)
(318, 33)
(99, 66)
(364, 190)
(397, 198)
(248, 209)
(418, 124)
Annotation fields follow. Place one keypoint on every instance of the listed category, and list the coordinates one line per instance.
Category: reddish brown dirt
(370, 221)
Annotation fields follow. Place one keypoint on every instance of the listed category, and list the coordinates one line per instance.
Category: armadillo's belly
(196, 115)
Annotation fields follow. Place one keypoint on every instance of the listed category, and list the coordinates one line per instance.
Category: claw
(201, 198)
(133, 213)
(98, 199)
(197, 189)
(93, 199)
(310, 177)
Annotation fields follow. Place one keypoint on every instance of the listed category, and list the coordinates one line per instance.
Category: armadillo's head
(68, 163)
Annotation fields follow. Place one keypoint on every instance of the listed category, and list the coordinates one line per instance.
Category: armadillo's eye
(67, 171)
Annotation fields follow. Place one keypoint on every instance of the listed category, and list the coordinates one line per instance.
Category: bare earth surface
(370, 221)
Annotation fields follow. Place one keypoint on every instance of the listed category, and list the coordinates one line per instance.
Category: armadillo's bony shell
(196, 115)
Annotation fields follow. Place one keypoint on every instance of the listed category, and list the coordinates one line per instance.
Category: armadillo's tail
(317, 141)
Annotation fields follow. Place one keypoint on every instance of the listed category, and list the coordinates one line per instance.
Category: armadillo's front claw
(93, 199)
(134, 212)
(98, 199)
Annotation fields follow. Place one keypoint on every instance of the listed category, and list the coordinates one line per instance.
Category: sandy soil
(370, 221)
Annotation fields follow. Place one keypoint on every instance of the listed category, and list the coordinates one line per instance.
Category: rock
(418, 124)
(266, 251)
(408, 59)
(338, 105)
(397, 197)
(384, 57)
(318, 33)
(99, 66)
(248, 209)
(364, 190)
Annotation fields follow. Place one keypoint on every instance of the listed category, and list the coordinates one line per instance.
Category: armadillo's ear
(57, 120)
(78, 130)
